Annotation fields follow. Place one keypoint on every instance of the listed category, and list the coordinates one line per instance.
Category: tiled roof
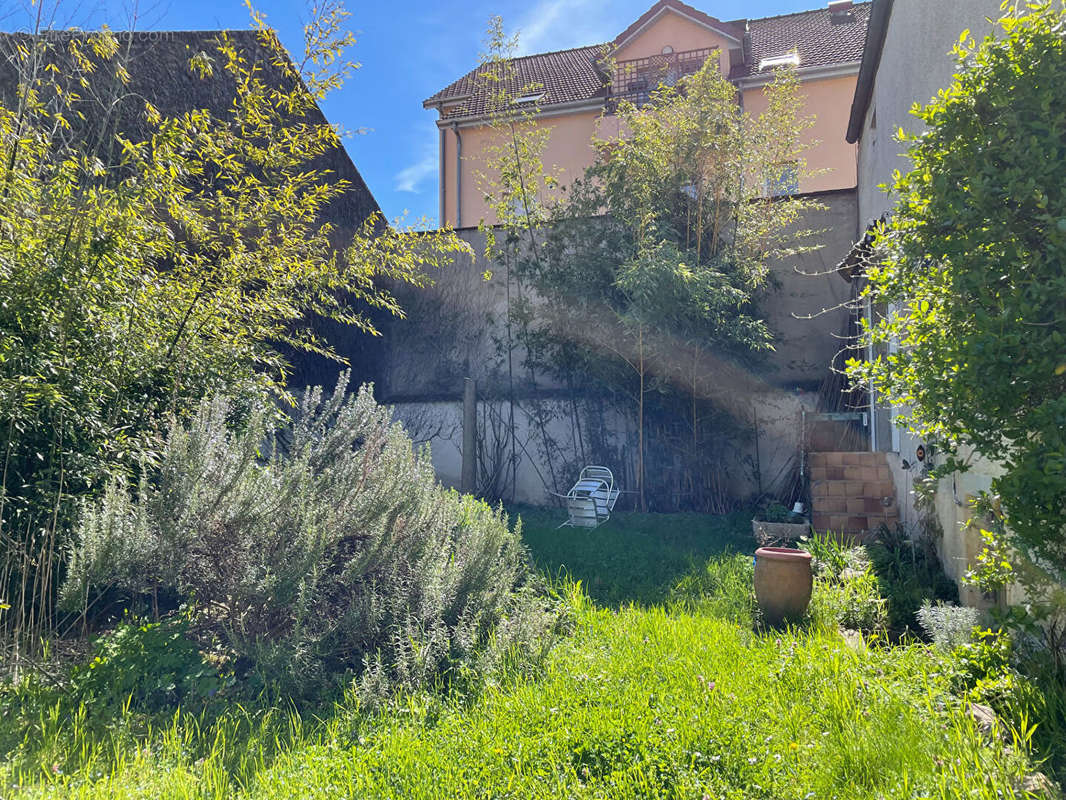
(568, 76)
(814, 35)
(565, 76)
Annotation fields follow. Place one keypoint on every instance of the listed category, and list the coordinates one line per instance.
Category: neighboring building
(575, 93)
(907, 59)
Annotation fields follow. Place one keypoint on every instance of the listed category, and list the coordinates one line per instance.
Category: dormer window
(840, 12)
(787, 60)
(528, 98)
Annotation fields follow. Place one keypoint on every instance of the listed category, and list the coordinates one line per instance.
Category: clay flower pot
(783, 583)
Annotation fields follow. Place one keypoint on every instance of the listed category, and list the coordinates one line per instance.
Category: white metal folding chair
(591, 499)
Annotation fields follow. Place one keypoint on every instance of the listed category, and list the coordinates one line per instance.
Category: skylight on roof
(787, 60)
(529, 98)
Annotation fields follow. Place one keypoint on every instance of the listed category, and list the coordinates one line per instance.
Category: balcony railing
(636, 79)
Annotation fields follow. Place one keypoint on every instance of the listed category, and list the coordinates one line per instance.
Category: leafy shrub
(137, 275)
(971, 260)
(948, 626)
(852, 601)
(829, 557)
(318, 550)
(846, 590)
(910, 574)
(774, 512)
(154, 665)
(1023, 686)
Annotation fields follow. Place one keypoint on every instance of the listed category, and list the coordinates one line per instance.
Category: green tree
(519, 190)
(970, 277)
(139, 273)
(664, 245)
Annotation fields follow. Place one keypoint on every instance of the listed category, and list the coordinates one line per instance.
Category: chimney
(840, 11)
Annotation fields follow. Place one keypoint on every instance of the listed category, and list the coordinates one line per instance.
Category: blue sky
(408, 50)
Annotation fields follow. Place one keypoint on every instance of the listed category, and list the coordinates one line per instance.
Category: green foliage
(637, 703)
(852, 601)
(151, 665)
(947, 626)
(846, 590)
(829, 556)
(909, 574)
(149, 260)
(971, 281)
(651, 269)
(512, 176)
(316, 551)
(983, 661)
(777, 512)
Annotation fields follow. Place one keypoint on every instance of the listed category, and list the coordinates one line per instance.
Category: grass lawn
(641, 700)
(634, 558)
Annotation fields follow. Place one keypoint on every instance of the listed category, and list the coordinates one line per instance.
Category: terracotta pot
(783, 583)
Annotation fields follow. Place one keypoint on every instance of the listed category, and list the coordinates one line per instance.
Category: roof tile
(565, 76)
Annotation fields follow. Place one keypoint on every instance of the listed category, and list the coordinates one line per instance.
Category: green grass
(642, 700)
(633, 558)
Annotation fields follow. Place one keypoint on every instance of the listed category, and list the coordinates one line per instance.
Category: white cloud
(411, 178)
(560, 24)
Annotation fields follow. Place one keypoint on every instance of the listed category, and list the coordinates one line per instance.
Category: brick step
(851, 492)
(841, 458)
(845, 523)
(866, 489)
(858, 506)
(851, 472)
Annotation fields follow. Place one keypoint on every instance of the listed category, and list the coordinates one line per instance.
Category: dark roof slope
(575, 75)
(159, 72)
(565, 76)
(871, 60)
(814, 35)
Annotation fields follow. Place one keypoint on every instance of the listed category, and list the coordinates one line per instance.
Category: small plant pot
(783, 583)
(773, 533)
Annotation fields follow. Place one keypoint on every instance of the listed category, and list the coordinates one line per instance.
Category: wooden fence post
(469, 476)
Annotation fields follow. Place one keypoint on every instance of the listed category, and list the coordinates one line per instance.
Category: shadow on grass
(632, 558)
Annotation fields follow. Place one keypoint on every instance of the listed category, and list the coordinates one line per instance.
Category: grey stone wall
(456, 327)
(806, 311)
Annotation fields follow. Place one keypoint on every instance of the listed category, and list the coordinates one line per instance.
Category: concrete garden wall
(456, 329)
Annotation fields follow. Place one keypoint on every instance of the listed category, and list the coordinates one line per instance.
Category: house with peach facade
(576, 90)
(454, 327)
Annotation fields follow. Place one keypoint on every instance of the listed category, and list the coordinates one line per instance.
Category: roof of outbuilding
(159, 72)
(576, 75)
(157, 63)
